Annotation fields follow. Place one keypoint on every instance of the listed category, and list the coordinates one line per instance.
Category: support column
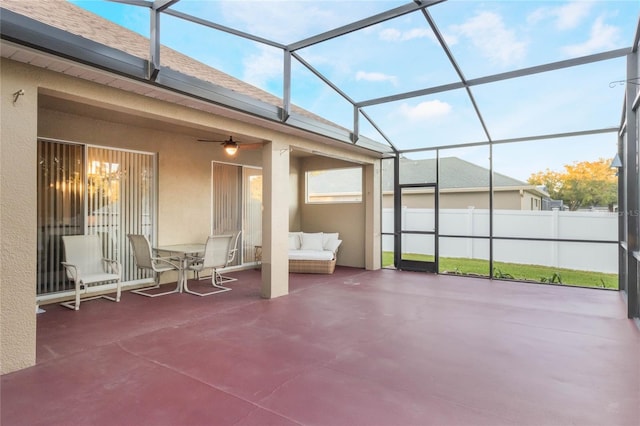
(18, 216)
(275, 220)
(373, 211)
(632, 187)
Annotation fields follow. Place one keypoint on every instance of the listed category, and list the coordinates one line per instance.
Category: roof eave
(25, 31)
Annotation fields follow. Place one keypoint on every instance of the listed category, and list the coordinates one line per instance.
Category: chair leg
(142, 291)
(75, 305)
(77, 298)
(215, 282)
(71, 305)
(226, 279)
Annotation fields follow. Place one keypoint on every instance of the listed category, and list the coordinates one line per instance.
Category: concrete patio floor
(353, 348)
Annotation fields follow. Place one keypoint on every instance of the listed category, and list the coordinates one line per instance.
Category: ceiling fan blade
(250, 146)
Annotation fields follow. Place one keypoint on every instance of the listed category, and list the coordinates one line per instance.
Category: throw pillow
(294, 242)
(311, 241)
(333, 245)
(328, 236)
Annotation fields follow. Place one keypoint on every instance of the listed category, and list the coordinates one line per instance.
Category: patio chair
(143, 255)
(233, 250)
(86, 267)
(216, 256)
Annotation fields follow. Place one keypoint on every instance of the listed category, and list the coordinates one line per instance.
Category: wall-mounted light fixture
(16, 95)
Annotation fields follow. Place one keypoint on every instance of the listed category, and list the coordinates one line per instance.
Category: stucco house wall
(18, 243)
(334, 217)
(128, 121)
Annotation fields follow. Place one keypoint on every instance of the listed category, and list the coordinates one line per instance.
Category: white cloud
(570, 15)
(390, 34)
(394, 34)
(262, 67)
(425, 110)
(602, 37)
(285, 21)
(376, 76)
(566, 17)
(488, 33)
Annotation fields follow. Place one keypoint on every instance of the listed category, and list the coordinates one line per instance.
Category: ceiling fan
(231, 147)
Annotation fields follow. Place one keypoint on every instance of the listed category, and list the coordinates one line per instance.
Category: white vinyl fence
(596, 226)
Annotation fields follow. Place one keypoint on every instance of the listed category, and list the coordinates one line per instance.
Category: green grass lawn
(516, 271)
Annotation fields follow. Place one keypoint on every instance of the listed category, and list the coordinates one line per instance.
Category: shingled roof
(455, 173)
(68, 17)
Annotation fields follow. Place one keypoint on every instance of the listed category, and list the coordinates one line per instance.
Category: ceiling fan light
(230, 148)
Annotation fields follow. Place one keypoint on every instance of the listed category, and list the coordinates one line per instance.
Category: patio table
(182, 251)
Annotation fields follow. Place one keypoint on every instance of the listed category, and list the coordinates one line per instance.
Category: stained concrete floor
(353, 348)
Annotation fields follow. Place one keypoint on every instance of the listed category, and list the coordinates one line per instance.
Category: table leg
(182, 275)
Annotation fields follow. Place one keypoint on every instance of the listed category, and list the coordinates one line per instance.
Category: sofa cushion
(294, 241)
(332, 245)
(328, 236)
(323, 255)
(311, 241)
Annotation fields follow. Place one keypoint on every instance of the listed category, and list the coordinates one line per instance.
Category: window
(334, 186)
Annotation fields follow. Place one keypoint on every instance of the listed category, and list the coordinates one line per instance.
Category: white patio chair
(143, 255)
(216, 256)
(86, 267)
(233, 250)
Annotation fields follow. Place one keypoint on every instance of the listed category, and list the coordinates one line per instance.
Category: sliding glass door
(91, 190)
(237, 206)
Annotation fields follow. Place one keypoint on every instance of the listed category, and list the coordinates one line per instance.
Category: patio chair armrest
(71, 270)
(173, 261)
(113, 264)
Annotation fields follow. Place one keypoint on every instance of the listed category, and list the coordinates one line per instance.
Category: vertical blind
(237, 205)
(91, 190)
(252, 212)
(60, 209)
(120, 201)
(226, 195)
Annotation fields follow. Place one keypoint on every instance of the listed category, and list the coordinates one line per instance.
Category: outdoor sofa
(313, 252)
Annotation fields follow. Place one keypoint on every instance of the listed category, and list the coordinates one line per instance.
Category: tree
(581, 184)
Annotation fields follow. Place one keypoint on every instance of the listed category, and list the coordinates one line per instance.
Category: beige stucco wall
(184, 173)
(17, 219)
(294, 191)
(502, 200)
(346, 218)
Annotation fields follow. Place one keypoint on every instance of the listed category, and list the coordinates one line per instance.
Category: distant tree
(581, 184)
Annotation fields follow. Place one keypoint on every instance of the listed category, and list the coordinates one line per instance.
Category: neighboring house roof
(80, 22)
(455, 173)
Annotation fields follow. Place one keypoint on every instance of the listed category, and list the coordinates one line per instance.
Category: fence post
(470, 231)
(555, 215)
(403, 223)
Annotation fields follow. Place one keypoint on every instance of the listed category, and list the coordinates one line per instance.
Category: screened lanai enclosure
(507, 131)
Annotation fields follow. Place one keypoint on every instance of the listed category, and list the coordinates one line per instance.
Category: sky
(403, 55)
